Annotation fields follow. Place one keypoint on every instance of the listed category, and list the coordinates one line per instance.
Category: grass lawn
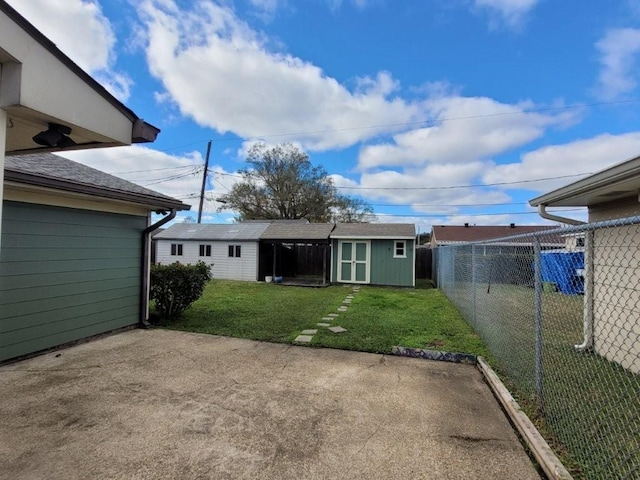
(591, 406)
(377, 319)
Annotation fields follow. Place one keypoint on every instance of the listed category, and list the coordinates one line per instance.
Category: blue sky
(434, 111)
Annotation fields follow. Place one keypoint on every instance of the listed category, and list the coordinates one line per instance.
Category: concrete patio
(150, 404)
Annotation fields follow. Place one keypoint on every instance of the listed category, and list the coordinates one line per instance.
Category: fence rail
(560, 313)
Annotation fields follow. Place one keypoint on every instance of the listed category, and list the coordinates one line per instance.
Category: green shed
(74, 249)
(374, 253)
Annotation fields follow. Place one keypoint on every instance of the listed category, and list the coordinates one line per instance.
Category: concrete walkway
(159, 404)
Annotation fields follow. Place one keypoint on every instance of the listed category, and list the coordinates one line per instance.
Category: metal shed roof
(374, 230)
(213, 232)
(298, 231)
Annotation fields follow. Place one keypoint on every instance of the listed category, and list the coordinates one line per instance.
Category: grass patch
(377, 319)
(590, 411)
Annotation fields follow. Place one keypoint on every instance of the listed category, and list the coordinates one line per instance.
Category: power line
(444, 187)
(434, 215)
(450, 187)
(237, 138)
(153, 170)
(429, 122)
(175, 177)
(446, 205)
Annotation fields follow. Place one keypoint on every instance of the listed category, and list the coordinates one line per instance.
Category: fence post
(539, 369)
(473, 281)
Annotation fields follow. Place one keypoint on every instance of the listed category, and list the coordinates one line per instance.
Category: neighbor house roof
(298, 231)
(619, 181)
(374, 230)
(52, 171)
(213, 232)
(453, 234)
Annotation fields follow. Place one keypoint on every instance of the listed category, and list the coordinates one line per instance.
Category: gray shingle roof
(374, 230)
(212, 232)
(298, 231)
(46, 169)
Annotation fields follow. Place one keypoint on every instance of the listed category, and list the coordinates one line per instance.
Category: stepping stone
(303, 339)
(333, 315)
(328, 319)
(309, 332)
(323, 324)
(337, 329)
(346, 300)
(350, 296)
(342, 309)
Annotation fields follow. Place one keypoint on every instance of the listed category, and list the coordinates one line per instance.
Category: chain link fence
(560, 313)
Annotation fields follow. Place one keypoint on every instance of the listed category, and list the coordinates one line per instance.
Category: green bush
(175, 287)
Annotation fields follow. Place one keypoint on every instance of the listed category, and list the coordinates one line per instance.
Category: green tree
(280, 182)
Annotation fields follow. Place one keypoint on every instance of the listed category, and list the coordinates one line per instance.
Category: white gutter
(542, 211)
(587, 321)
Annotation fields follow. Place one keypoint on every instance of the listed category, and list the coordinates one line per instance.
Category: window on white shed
(205, 250)
(176, 249)
(235, 251)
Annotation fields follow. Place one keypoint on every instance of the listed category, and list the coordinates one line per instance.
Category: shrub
(175, 287)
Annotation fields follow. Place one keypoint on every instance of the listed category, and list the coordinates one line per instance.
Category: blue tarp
(564, 269)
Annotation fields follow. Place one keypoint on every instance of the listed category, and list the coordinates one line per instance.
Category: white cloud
(222, 74)
(581, 156)
(81, 31)
(619, 50)
(466, 129)
(509, 12)
(422, 190)
(177, 176)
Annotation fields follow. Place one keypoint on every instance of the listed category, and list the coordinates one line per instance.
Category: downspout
(587, 321)
(146, 260)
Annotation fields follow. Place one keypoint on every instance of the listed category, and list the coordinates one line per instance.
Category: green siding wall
(385, 270)
(66, 274)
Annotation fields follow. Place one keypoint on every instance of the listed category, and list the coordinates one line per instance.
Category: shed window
(235, 251)
(400, 249)
(176, 249)
(205, 250)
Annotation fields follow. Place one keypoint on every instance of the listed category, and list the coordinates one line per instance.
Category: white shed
(232, 250)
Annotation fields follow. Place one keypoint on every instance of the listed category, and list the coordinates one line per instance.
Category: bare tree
(280, 182)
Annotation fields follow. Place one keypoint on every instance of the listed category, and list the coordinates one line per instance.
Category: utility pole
(204, 181)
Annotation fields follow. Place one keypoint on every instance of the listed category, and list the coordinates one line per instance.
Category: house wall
(224, 267)
(384, 269)
(626, 207)
(616, 295)
(66, 274)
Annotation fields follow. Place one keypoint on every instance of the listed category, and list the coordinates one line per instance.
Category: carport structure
(299, 252)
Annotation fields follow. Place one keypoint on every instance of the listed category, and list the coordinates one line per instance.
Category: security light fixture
(55, 136)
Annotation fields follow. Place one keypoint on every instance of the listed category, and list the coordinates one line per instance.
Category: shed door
(66, 274)
(354, 261)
